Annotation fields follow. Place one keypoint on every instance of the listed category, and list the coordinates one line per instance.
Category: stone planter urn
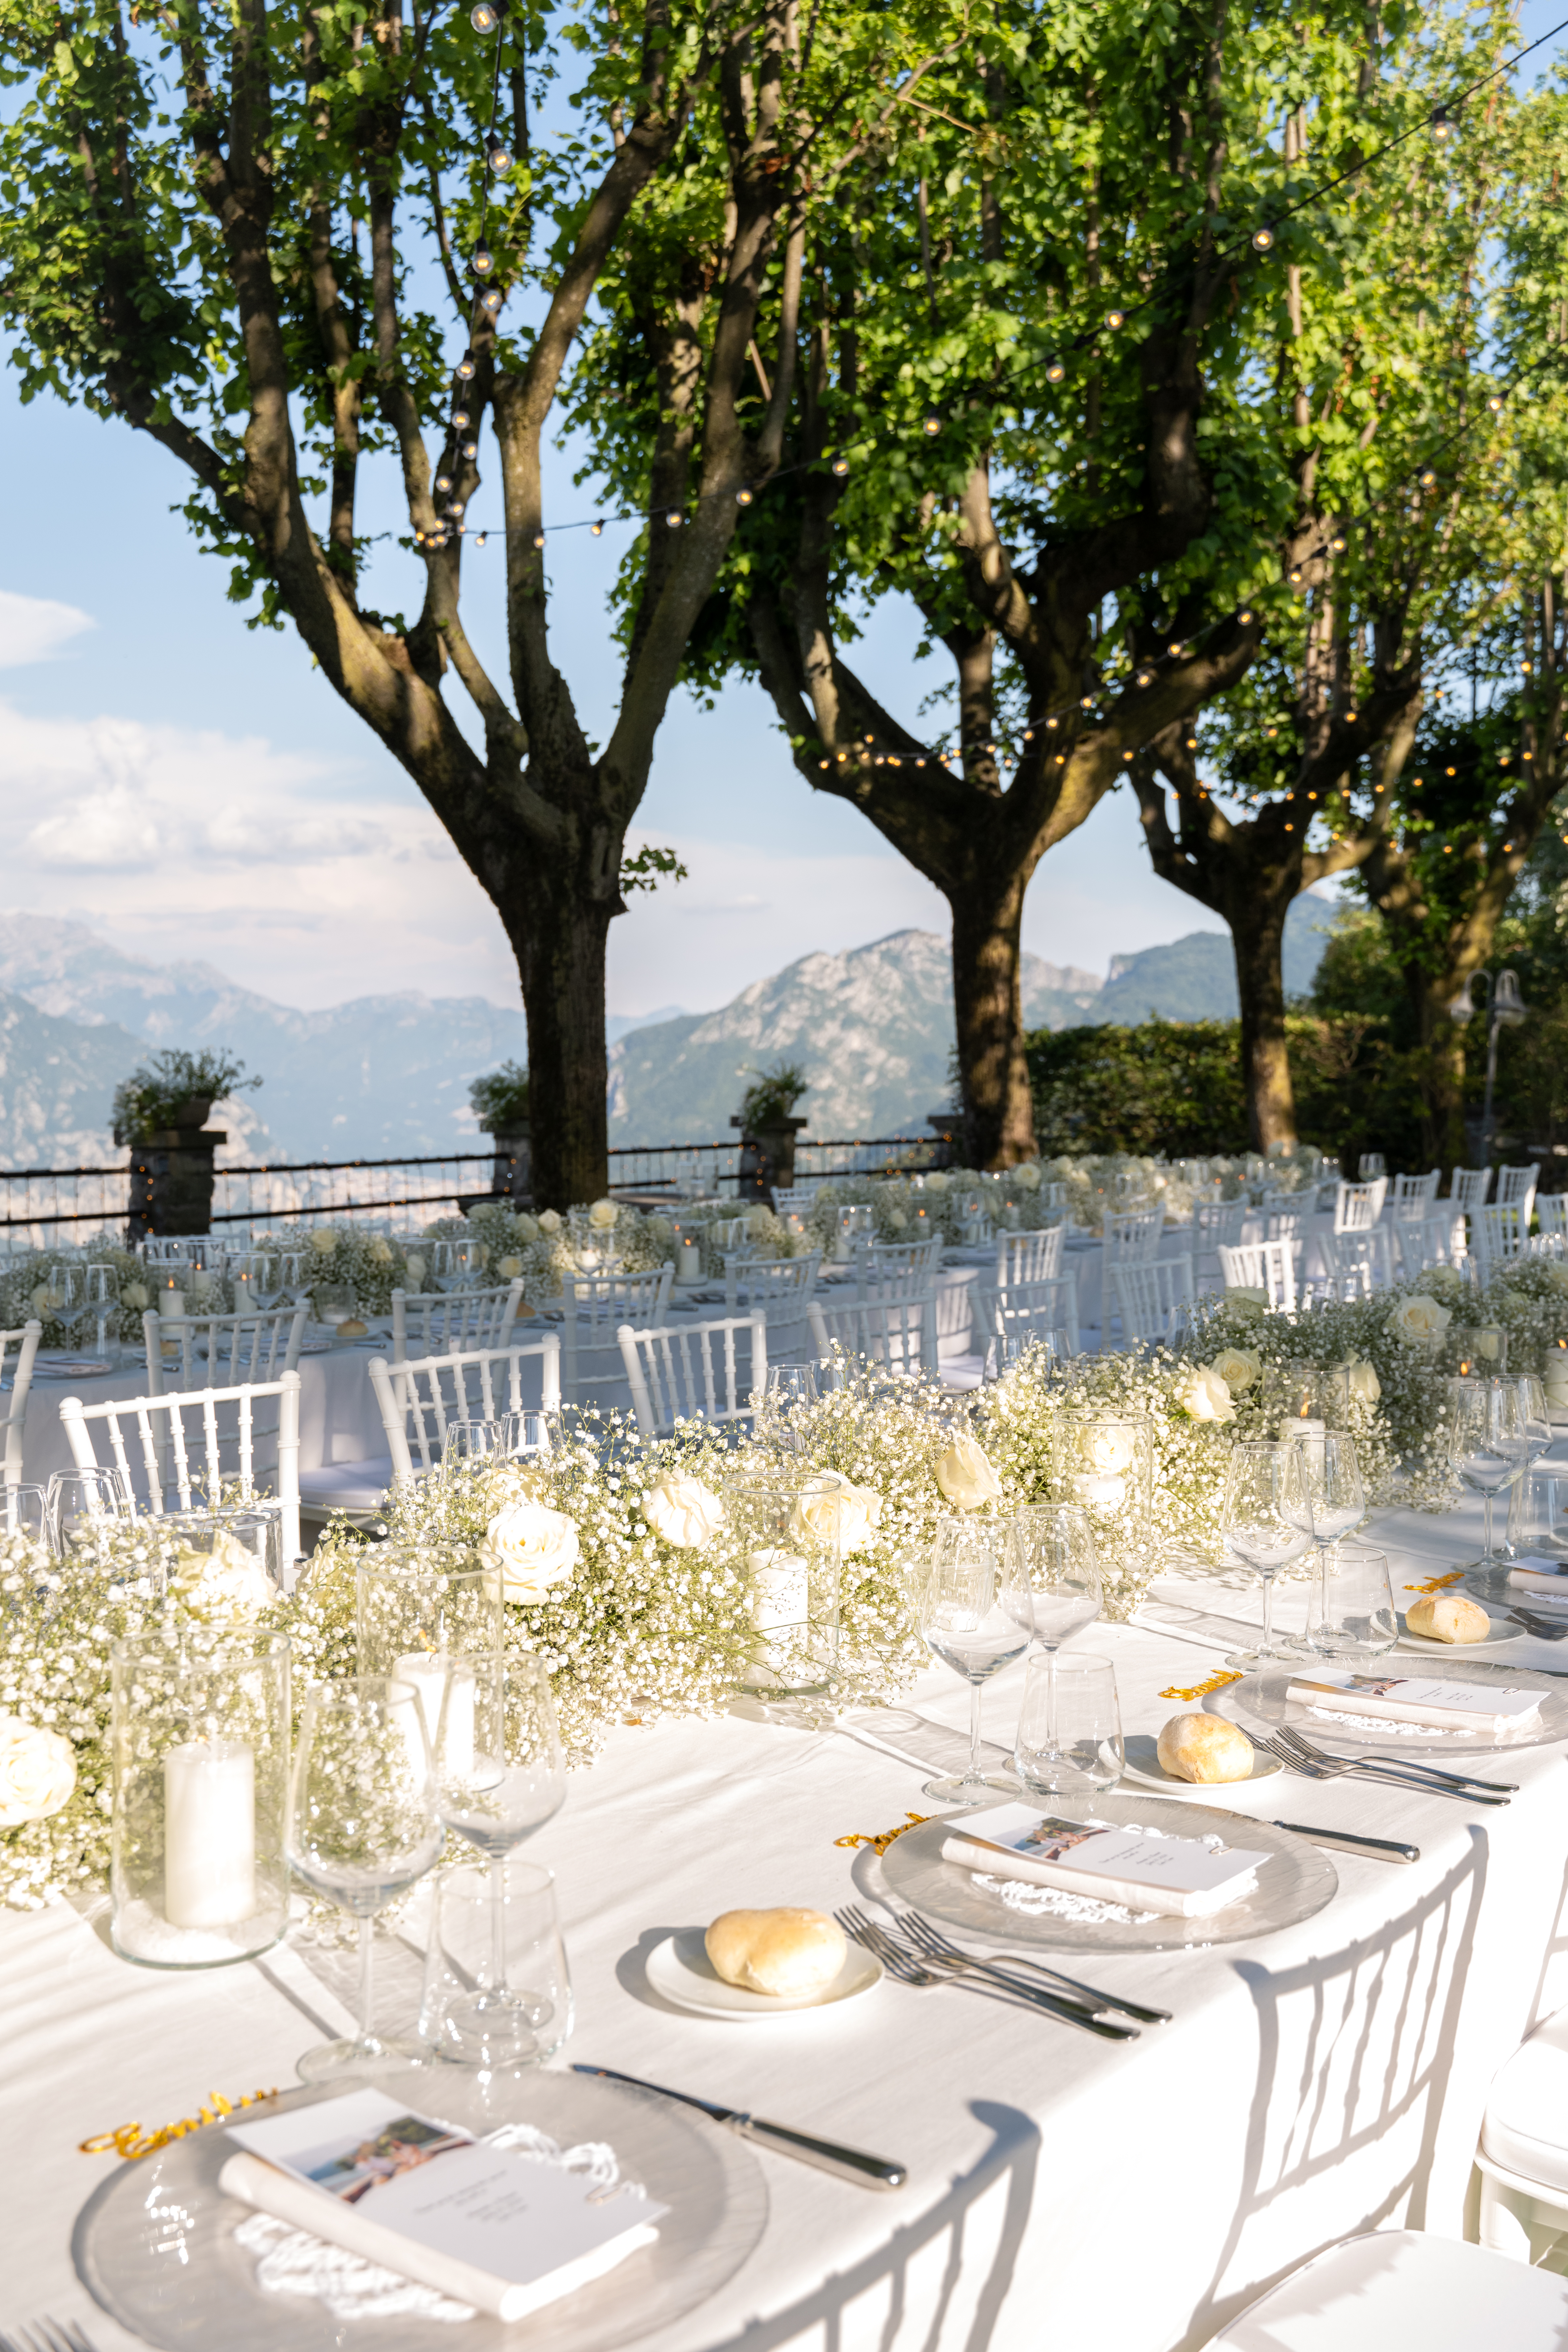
(767, 1158)
(171, 1179)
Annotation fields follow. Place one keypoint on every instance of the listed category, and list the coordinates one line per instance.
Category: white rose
(682, 1510)
(1244, 1305)
(530, 1548)
(1027, 1175)
(43, 1299)
(37, 1772)
(602, 1213)
(550, 1221)
(937, 1182)
(896, 1220)
(510, 1268)
(1443, 1281)
(1361, 1381)
(1419, 1317)
(415, 1268)
(833, 1505)
(323, 1241)
(1237, 1367)
(228, 1581)
(381, 1251)
(527, 1229)
(966, 1475)
(1106, 1450)
(1203, 1395)
(135, 1295)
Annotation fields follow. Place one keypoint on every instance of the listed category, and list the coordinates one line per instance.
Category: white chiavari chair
(16, 1375)
(893, 1270)
(592, 1308)
(1146, 1297)
(779, 1289)
(1438, 1239)
(178, 1452)
(897, 1332)
(695, 1372)
(1358, 1207)
(1551, 1213)
(1133, 1236)
(1469, 1187)
(1498, 1232)
(1216, 1224)
(1357, 1264)
(418, 1402)
(1411, 1197)
(192, 1351)
(1396, 2287)
(1268, 1266)
(453, 1322)
(1024, 1310)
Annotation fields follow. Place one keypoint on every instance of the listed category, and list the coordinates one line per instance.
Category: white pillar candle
(781, 1582)
(209, 1833)
(689, 1270)
(1103, 1488)
(171, 1301)
(424, 1674)
(1294, 1427)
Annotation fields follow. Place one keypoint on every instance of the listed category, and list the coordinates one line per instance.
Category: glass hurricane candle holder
(1105, 1464)
(789, 1534)
(1476, 1351)
(1297, 1401)
(199, 1749)
(410, 1611)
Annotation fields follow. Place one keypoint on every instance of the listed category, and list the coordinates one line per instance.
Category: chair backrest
(1268, 1266)
(419, 1399)
(888, 1269)
(1518, 1183)
(1358, 1263)
(1276, 1197)
(897, 1332)
(14, 1419)
(174, 1455)
(1413, 1195)
(1357, 1207)
(777, 1287)
(695, 1372)
(1034, 1255)
(1469, 1187)
(1285, 1224)
(1021, 1310)
(1145, 1296)
(595, 1305)
(187, 1352)
(1552, 1211)
(453, 1322)
(1436, 1240)
(1133, 1236)
(1500, 1230)
(1217, 1223)
(797, 1196)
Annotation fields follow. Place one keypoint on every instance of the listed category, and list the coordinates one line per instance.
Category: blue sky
(193, 789)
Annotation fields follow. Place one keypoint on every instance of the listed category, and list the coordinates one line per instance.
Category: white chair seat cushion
(1399, 2291)
(1525, 2128)
(346, 1485)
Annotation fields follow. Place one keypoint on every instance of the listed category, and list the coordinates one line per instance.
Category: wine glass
(1536, 1419)
(500, 1774)
(99, 1309)
(1332, 1500)
(24, 1511)
(1487, 1446)
(1053, 1545)
(1350, 1613)
(470, 1444)
(361, 1828)
(976, 1615)
(790, 1389)
(1069, 1738)
(1261, 1521)
(524, 1433)
(79, 1500)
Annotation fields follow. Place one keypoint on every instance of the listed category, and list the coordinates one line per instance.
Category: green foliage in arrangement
(154, 1096)
(500, 1099)
(771, 1096)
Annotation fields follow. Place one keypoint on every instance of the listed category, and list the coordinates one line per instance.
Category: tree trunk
(559, 940)
(998, 1104)
(1258, 939)
(1444, 1143)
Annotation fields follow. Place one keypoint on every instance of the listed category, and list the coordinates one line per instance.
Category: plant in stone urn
(500, 1103)
(767, 1129)
(174, 1090)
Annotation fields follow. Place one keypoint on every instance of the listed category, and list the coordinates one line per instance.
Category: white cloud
(33, 628)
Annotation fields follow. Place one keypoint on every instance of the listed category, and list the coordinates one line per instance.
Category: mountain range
(388, 1076)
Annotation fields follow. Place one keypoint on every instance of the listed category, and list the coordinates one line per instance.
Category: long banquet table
(1321, 2080)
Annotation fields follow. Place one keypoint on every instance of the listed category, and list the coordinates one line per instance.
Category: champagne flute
(1487, 1446)
(976, 1615)
(500, 1774)
(362, 1829)
(1260, 1521)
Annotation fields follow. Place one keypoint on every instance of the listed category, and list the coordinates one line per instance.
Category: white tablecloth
(1322, 2080)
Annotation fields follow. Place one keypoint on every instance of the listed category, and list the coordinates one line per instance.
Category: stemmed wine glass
(1053, 1545)
(1332, 1499)
(976, 1613)
(791, 1388)
(1488, 1445)
(1264, 1521)
(361, 1828)
(500, 1774)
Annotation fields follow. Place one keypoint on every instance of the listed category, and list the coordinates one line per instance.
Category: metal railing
(39, 1205)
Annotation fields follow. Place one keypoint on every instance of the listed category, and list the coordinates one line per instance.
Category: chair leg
(1508, 2222)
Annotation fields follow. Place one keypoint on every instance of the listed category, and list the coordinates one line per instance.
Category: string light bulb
(1427, 477)
(538, 539)
(931, 423)
(484, 18)
(464, 370)
(480, 537)
(1443, 124)
(455, 509)
(1055, 368)
(1495, 404)
(471, 448)
(673, 517)
(1144, 676)
(743, 499)
(1295, 575)
(840, 467)
(595, 530)
(481, 261)
(443, 482)
(497, 155)
(1176, 651)
(1263, 239)
(1244, 615)
(460, 419)
(490, 302)
(1086, 702)
(1115, 319)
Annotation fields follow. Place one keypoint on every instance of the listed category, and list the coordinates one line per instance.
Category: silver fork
(1403, 1764)
(939, 1947)
(1317, 1767)
(904, 1965)
(48, 2335)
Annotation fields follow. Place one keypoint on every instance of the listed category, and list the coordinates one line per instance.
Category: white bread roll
(784, 1952)
(352, 1329)
(1447, 1617)
(1205, 1747)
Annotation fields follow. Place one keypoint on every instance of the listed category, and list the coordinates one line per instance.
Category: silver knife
(849, 2163)
(1381, 1849)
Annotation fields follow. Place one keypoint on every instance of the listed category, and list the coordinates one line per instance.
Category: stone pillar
(767, 1159)
(513, 1176)
(172, 1181)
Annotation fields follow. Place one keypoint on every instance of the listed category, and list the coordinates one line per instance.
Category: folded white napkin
(1183, 1878)
(270, 2190)
(1447, 1706)
(1531, 1573)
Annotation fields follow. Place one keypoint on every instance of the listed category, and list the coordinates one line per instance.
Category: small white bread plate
(1142, 1760)
(681, 1969)
(1501, 1629)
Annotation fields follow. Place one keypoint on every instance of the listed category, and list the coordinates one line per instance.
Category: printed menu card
(1138, 1867)
(1446, 1707)
(491, 2226)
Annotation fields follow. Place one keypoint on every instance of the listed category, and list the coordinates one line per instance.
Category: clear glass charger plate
(1297, 1881)
(154, 2243)
(1257, 1703)
(1491, 1585)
